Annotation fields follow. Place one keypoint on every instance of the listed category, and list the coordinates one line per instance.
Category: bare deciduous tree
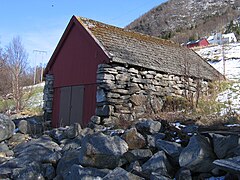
(5, 83)
(16, 60)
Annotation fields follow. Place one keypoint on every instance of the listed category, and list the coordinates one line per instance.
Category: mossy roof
(128, 47)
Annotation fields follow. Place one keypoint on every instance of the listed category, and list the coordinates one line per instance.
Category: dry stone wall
(130, 92)
(48, 97)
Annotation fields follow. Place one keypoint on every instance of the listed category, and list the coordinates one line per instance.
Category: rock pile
(144, 151)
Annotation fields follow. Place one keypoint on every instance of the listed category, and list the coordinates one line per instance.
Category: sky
(41, 23)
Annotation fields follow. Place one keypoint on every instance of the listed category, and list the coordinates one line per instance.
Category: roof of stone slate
(128, 47)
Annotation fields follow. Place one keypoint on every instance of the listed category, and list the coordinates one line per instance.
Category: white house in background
(218, 38)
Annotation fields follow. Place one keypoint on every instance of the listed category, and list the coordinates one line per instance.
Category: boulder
(37, 149)
(57, 134)
(31, 171)
(198, 155)
(72, 144)
(48, 171)
(23, 126)
(151, 139)
(102, 151)
(134, 167)
(95, 119)
(158, 162)
(4, 150)
(183, 174)
(31, 126)
(121, 174)
(73, 131)
(223, 145)
(17, 139)
(158, 176)
(138, 155)
(7, 128)
(172, 149)
(5, 173)
(190, 129)
(66, 162)
(148, 126)
(134, 139)
(231, 165)
(78, 172)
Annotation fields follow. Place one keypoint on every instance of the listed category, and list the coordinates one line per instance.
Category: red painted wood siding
(76, 64)
(203, 42)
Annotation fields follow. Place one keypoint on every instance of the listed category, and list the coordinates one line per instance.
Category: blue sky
(40, 23)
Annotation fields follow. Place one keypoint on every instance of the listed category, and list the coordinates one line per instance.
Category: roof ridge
(91, 23)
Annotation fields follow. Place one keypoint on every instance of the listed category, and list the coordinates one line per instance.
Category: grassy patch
(31, 102)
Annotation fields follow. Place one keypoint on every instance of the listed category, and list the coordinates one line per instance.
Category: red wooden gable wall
(75, 63)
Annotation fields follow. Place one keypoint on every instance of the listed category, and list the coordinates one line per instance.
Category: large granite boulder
(224, 145)
(66, 162)
(121, 174)
(231, 165)
(159, 176)
(38, 149)
(148, 126)
(138, 155)
(73, 131)
(7, 128)
(172, 149)
(158, 162)
(152, 139)
(183, 174)
(102, 151)
(78, 172)
(18, 138)
(134, 139)
(48, 171)
(31, 126)
(31, 171)
(198, 155)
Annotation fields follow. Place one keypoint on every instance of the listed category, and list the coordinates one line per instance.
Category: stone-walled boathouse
(102, 70)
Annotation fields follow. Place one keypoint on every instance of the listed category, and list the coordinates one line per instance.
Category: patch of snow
(35, 86)
(178, 140)
(231, 56)
(216, 178)
(231, 99)
(232, 125)
(178, 125)
(232, 68)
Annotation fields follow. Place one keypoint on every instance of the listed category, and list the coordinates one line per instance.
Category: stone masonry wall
(130, 92)
(48, 97)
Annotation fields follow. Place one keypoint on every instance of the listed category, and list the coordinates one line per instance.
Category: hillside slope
(181, 20)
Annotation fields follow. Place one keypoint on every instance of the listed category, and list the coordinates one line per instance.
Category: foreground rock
(145, 150)
(7, 127)
(101, 151)
(121, 174)
(172, 149)
(198, 155)
(78, 172)
(225, 146)
(148, 126)
(157, 163)
(29, 159)
(134, 139)
(229, 165)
